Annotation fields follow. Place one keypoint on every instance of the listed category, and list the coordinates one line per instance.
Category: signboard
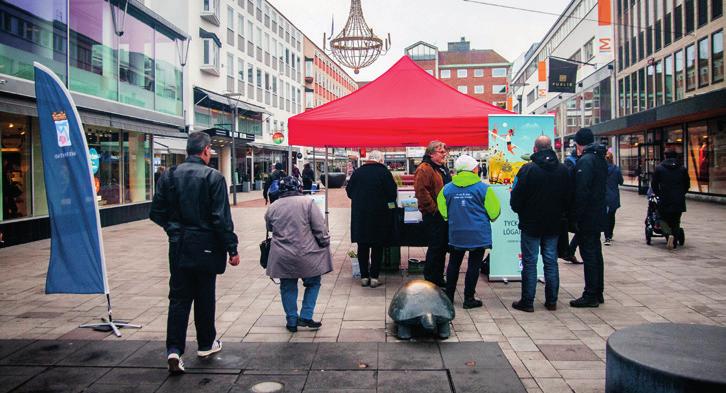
(562, 76)
(511, 139)
(278, 138)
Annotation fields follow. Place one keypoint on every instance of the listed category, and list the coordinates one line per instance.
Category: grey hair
(197, 142)
(543, 142)
(433, 145)
(375, 156)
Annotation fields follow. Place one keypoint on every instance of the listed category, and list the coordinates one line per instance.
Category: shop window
(703, 65)
(674, 141)
(108, 176)
(690, 67)
(641, 89)
(621, 97)
(650, 71)
(168, 77)
(40, 202)
(698, 156)
(717, 56)
(15, 139)
(717, 156)
(634, 92)
(626, 86)
(628, 157)
(658, 83)
(137, 167)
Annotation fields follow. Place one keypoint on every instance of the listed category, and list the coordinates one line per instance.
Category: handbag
(265, 250)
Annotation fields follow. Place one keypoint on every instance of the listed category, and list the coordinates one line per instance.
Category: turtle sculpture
(420, 303)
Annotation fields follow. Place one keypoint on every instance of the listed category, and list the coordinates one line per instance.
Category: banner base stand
(109, 324)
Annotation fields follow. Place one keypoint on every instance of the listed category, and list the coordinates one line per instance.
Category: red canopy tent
(403, 107)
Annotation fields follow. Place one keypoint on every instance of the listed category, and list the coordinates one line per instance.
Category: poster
(511, 139)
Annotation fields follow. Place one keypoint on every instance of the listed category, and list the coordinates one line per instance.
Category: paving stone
(10, 382)
(20, 371)
(293, 383)
(7, 347)
(102, 353)
(568, 352)
(473, 355)
(409, 356)
(43, 352)
(151, 354)
(338, 380)
(490, 380)
(102, 388)
(283, 356)
(153, 377)
(204, 383)
(233, 356)
(346, 356)
(63, 379)
(413, 382)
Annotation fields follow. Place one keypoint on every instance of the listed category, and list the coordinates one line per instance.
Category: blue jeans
(288, 293)
(530, 250)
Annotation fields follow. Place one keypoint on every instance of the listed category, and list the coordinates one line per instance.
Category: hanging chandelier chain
(356, 46)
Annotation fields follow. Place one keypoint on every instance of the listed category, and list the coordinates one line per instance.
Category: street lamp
(233, 102)
(118, 16)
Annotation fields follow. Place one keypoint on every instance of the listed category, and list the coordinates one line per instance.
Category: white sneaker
(216, 347)
(364, 282)
(374, 282)
(176, 364)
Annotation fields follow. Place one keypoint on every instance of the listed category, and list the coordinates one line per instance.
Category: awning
(272, 147)
(166, 145)
(206, 34)
(225, 133)
(218, 101)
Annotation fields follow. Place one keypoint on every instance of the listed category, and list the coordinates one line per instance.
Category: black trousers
(594, 266)
(563, 246)
(438, 242)
(376, 257)
(672, 221)
(188, 286)
(456, 256)
(610, 225)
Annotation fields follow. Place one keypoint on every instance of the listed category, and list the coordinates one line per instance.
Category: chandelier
(356, 46)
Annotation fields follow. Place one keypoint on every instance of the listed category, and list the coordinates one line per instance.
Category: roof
(476, 56)
(403, 107)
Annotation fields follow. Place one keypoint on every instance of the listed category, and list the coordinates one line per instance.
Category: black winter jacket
(203, 202)
(591, 174)
(371, 189)
(541, 194)
(275, 175)
(670, 183)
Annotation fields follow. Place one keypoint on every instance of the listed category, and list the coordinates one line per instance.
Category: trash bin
(391, 259)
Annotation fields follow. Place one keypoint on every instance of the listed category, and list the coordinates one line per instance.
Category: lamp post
(232, 99)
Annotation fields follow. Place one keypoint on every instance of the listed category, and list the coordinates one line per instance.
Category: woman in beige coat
(300, 249)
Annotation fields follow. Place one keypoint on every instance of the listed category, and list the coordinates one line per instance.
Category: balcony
(210, 11)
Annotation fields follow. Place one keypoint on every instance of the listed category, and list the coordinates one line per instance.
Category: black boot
(472, 302)
(600, 299)
(519, 305)
(309, 323)
(584, 302)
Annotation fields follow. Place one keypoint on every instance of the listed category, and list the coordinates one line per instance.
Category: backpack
(274, 188)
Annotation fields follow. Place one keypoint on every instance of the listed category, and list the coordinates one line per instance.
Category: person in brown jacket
(430, 177)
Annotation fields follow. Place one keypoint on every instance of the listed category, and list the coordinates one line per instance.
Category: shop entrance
(649, 155)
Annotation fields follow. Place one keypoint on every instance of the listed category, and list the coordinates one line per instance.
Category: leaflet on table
(408, 202)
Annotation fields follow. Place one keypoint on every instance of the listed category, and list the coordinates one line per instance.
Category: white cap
(465, 163)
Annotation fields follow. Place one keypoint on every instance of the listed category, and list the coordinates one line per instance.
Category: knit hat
(584, 137)
(465, 163)
(290, 183)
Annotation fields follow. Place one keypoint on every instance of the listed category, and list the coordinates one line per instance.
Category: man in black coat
(192, 205)
(589, 215)
(274, 178)
(540, 196)
(373, 193)
(567, 249)
(670, 183)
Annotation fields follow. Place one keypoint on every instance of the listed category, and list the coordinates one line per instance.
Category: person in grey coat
(300, 249)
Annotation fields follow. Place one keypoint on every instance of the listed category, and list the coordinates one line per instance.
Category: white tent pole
(327, 186)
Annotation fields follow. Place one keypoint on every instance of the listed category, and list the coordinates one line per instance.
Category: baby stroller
(653, 222)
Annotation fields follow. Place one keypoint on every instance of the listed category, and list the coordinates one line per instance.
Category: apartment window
(703, 65)
(588, 50)
(259, 78)
(680, 78)
(717, 56)
(445, 74)
(211, 53)
(716, 9)
(461, 73)
(657, 36)
(620, 58)
(667, 30)
(649, 98)
(690, 67)
(479, 89)
(659, 83)
(230, 25)
(530, 97)
(462, 89)
(479, 73)
(499, 89)
(649, 40)
(690, 14)
(621, 97)
(250, 74)
(268, 84)
(240, 70)
(577, 56)
(430, 72)
(668, 80)
(230, 72)
(627, 95)
(626, 55)
(499, 72)
(641, 46)
(702, 12)
(641, 89)
(678, 23)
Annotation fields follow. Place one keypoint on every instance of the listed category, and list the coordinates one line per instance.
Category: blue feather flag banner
(77, 263)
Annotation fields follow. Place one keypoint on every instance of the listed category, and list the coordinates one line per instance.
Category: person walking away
(566, 248)
(541, 194)
(300, 249)
(670, 184)
(589, 214)
(429, 179)
(469, 205)
(308, 177)
(192, 205)
(612, 196)
(373, 192)
(272, 182)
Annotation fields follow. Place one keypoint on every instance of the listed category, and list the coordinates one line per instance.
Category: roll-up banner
(77, 263)
(511, 139)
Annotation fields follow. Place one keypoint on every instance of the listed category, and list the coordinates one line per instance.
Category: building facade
(480, 73)
(582, 35)
(126, 80)
(670, 91)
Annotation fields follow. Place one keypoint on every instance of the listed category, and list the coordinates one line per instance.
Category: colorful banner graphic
(77, 262)
(511, 139)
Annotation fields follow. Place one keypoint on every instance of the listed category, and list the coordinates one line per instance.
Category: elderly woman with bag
(300, 249)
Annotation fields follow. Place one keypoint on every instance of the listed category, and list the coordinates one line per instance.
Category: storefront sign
(278, 138)
(95, 160)
(562, 76)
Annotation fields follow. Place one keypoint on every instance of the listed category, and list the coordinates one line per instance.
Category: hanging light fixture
(356, 46)
(118, 15)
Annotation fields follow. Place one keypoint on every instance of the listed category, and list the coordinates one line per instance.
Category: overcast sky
(509, 32)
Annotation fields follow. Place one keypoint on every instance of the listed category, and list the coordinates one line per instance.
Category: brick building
(480, 73)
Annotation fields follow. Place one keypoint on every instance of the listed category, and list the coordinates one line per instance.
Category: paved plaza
(548, 351)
